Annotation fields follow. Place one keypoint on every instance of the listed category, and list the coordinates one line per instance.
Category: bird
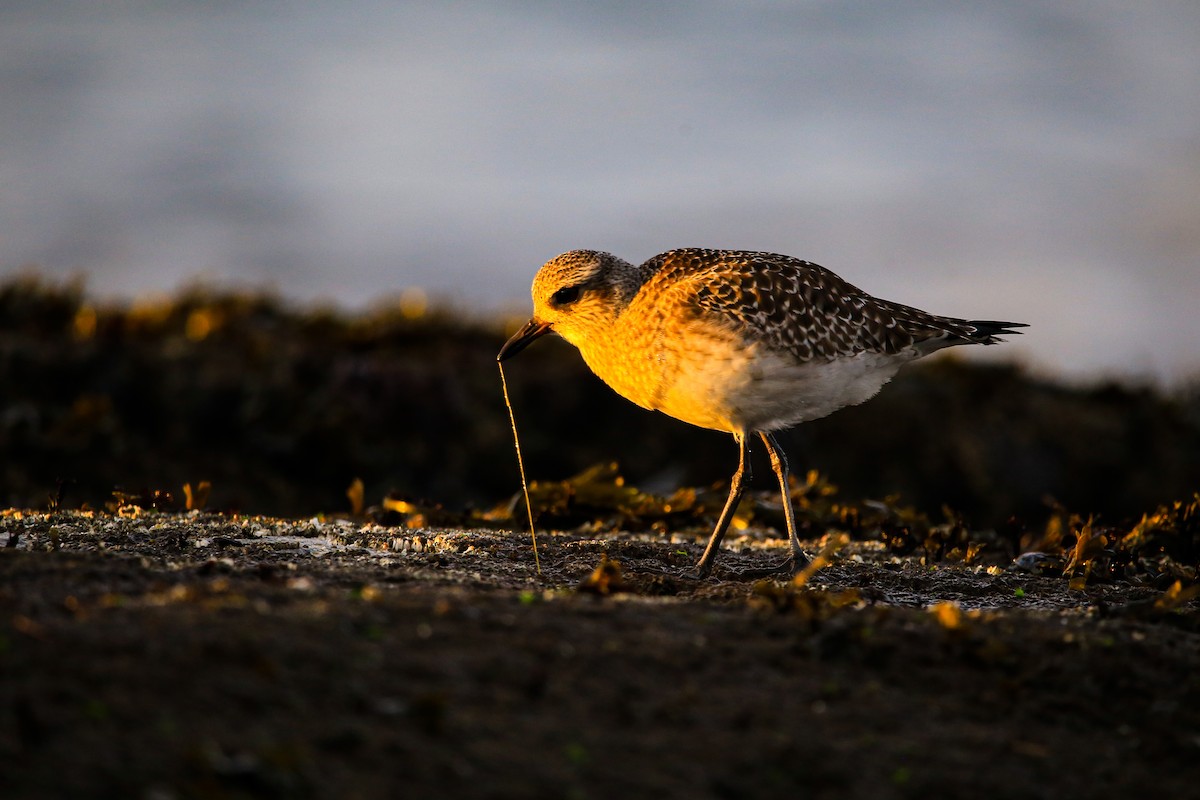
(744, 342)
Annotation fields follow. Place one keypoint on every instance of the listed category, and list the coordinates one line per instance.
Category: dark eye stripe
(565, 296)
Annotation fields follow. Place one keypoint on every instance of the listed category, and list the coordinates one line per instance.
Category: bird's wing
(795, 305)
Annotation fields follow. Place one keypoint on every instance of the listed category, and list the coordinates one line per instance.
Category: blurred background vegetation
(281, 408)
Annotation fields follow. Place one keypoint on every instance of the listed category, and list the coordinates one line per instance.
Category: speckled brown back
(800, 307)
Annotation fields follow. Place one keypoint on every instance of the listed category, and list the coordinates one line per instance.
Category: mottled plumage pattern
(803, 308)
(744, 342)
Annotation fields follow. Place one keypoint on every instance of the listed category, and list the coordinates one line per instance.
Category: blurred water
(1028, 161)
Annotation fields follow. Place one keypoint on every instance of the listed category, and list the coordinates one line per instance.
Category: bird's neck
(625, 280)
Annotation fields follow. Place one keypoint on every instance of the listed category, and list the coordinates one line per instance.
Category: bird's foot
(669, 572)
(791, 565)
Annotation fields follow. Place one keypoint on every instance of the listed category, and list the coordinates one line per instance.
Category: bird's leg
(736, 488)
(780, 466)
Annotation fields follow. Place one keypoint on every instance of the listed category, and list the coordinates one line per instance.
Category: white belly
(783, 393)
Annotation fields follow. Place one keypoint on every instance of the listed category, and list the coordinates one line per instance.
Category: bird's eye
(565, 296)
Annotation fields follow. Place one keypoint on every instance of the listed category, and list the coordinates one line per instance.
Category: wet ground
(201, 655)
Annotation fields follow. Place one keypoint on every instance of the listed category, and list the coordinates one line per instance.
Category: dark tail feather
(986, 331)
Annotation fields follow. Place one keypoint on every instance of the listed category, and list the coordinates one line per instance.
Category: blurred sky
(1033, 161)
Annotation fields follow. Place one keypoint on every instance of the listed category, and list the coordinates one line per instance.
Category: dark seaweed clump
(280, 409)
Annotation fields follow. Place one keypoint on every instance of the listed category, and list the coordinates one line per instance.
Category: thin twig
(521, 465)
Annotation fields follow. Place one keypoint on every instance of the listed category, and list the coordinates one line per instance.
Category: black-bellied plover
(743, 342)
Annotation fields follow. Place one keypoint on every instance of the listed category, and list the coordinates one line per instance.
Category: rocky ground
(157, 655)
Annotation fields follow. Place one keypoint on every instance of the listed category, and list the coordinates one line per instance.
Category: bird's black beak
(523, 338)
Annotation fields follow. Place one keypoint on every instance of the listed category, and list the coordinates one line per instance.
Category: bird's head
(576, 295)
